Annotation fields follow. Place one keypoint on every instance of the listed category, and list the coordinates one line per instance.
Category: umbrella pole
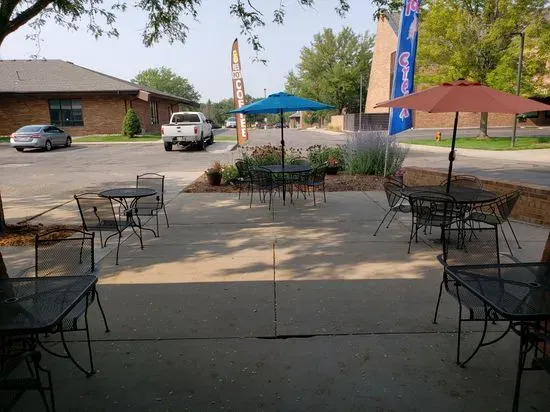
(452, 154)
(283, 155)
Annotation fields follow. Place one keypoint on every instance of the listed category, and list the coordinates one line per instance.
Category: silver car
(39, 136)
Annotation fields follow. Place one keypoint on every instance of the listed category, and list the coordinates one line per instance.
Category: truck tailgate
(179, 130)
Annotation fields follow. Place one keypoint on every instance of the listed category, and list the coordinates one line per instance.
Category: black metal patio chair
(497, 213)
(16, 353)
(69, 252)
(464, 181)
(151, 206)
(396, 201)
(479, 247)
(432, 209)
(262, 181)
(98, 215)
(243, 179)
(315, 180)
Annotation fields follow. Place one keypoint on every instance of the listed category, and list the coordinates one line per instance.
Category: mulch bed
(24, 234)
(333, 183)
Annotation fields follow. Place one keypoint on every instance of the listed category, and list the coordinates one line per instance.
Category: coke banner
(238, 93)
(405, 57)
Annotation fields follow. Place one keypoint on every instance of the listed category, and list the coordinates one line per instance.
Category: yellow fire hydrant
(438, 136)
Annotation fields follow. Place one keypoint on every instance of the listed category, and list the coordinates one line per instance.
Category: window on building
(154, 112)
(66, 112)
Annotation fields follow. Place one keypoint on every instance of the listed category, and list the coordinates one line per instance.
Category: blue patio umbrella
(279, 103)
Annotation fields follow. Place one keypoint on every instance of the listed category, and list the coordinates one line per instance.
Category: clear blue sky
(205, 58)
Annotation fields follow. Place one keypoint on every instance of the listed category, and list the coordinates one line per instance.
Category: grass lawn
(494, 143)
(226, 138)
(4, 139)
(118, 138)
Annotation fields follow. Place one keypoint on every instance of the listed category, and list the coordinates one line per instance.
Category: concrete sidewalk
(299, 308)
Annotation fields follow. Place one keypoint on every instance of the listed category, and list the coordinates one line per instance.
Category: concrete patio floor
(299, 309)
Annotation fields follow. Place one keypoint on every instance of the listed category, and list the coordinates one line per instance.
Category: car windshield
(29, 129)
(186, 118)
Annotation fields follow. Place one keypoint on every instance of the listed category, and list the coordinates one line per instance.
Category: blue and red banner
(405, 57)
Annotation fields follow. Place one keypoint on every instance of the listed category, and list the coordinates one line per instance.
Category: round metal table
(287, 168)
(463, 195)
(127, 197)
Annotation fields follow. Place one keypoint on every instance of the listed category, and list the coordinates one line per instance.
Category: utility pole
(518, 83)
(360, 100)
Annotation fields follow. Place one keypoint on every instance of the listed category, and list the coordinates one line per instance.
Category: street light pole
(360, 100)
(518, 83)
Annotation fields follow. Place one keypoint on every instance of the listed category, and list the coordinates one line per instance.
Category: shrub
(318, 155)
(229, 173)
(364, 153)
(261, 155)
(131, 125)
(215, 167)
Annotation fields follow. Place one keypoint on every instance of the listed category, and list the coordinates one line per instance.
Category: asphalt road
(34, 181)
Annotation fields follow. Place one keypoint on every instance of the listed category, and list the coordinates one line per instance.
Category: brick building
(79, 100)
(380, 83)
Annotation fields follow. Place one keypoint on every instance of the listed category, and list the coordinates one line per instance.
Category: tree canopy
(164, 79)
(165, 19)
(330, 68)
(478, 40)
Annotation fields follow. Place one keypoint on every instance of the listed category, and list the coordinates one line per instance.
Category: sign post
(239, 95)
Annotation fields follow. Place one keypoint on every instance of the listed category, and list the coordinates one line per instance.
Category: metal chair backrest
(478, 246)
(506, 203)
(433, 208)
(261, 177)
(317, 175)
(64, 252)
(242, 169)
(393, 193)
(96, 212)
(464, 181)
(152, 181)
(395, 181)
(299, 161)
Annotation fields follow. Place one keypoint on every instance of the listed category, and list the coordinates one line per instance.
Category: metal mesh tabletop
(125, 192)
(30, 305)
(288, 168)
(517, 291)
(461, 194)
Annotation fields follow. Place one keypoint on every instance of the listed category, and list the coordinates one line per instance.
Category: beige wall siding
(379, 80)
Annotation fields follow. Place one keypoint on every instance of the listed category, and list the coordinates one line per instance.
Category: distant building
(295, 120)
(381, 77)
(79, 100)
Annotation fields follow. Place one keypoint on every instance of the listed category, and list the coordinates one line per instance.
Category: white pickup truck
(186, 129)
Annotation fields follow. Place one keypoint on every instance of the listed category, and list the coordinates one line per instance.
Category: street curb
(109, 143)
(532, 156)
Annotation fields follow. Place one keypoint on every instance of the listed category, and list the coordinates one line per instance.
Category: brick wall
(533, 205)
(101, 114)
(379, 79)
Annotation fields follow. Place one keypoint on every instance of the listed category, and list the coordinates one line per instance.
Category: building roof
(59, 76)
(295, 115)
(394, 19)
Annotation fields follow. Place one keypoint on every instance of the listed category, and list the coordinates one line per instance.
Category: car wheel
(19, 149)
(69, 141)
(168, 147)
(48, 146)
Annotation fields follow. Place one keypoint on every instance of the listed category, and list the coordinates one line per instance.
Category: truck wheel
(168, 147)
(211, 140)
(202, 143)
(19, 149)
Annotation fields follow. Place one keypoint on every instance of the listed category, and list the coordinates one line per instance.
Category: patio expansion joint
(274, 291)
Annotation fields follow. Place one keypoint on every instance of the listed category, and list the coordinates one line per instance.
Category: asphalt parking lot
(34, 181)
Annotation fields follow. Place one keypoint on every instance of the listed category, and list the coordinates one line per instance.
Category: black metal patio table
(128, 197)
(516, 292)
(287, 170)
(29, 306)
(463, 195)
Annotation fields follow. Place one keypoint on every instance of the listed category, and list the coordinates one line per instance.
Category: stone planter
(331, 170)
(214, 179)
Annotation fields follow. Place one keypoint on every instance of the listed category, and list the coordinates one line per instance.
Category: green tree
(131, 124)
(475, 40)
(165, 19)
(164, 79)
(331, 67)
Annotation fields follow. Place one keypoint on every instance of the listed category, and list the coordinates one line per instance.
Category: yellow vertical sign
(238, 92)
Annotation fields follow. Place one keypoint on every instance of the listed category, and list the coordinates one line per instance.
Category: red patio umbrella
(464, 96)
